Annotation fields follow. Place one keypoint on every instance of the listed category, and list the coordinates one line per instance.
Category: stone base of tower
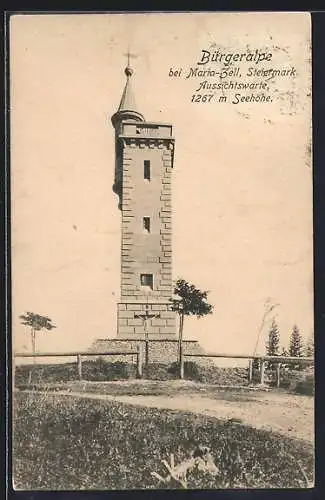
(164, 351)
(161, 323)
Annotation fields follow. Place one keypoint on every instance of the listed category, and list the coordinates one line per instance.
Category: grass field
(64, 442)
(100, 370)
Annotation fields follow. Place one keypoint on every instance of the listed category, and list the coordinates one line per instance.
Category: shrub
(98, 369)
(192, 371)
(306, 386)
(290, 378)
(101, 370)
(173, 368)
(46, 373)
(159, 371)
(211, 374)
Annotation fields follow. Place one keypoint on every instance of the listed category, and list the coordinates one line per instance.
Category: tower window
(146, 280)
(146, 224)
(146, 170)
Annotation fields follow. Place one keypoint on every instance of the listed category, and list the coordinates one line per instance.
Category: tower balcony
(145, 130)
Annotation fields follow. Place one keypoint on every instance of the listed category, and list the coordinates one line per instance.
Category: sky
(242, 179)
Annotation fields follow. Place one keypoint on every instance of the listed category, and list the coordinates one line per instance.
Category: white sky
(242, 182)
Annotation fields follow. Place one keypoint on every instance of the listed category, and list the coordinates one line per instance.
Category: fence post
(139, 362)
(278, 374)
(181, 371)
(79, 367)
(13, 372)
(250, 370)
(262, 371)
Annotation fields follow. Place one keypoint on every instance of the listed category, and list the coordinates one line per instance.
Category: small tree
(36, 323)
(189, 300)
(268, 308)
(295, 345)
(309, 349)
(273, 341)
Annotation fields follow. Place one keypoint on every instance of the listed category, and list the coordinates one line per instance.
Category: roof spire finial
(127, 109)
(128, 70)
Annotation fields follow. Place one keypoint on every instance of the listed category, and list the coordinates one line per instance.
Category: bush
(295, 380)
(46, 373)
(192, 371)
(210, 374)
(173, 369)
(159, 371)
(101, 370)
(306, 386)
(98, 369)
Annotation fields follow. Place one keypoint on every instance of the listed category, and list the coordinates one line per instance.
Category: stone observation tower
(144, 157)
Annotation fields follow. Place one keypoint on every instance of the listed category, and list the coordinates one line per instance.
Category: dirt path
(290, 415)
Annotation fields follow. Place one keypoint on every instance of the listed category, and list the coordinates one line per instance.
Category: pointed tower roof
(127, 109)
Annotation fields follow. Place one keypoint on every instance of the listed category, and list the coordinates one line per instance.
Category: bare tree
(268, 308)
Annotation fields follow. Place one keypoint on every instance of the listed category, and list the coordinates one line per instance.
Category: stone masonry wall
(145, 252)
(129, 324)
(160, 351)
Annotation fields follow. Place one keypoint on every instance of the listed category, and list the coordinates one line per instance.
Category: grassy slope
(66, 443)
(101, 370)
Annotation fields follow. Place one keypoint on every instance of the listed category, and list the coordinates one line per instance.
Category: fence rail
(73, 353)
(83, 354)
(277, 360)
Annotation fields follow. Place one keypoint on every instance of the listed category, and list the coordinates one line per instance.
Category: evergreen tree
(295, 346)
(272, 344)
(273, 341)
(309, 350)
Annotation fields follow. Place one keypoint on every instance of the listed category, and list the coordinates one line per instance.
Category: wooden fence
(277, 360)
(84, 354)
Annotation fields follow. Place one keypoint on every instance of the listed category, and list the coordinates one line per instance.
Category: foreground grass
(62, 442)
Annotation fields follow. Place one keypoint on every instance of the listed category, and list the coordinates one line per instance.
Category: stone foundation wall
(160, 351)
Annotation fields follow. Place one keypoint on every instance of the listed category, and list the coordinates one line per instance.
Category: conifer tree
(309, 350)
(273, 341)
(295, 346)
